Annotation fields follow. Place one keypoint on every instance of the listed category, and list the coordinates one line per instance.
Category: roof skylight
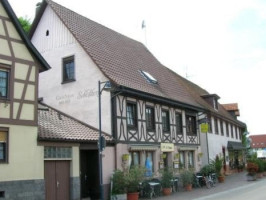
(149, 77)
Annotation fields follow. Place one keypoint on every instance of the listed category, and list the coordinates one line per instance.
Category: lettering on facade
(86, 93)
(82, 94)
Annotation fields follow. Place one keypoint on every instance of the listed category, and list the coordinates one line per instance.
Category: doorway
(89, 174)
(57, 179)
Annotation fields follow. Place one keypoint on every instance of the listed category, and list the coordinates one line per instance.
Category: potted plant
(218, 164)
(260, 168)
(252, 169)
(187, 179)
(264, 164)
(166, 180)
(118, 186)
(133, 177)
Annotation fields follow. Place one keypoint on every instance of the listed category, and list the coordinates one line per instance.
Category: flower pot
(133, 196)
(188, 187)
(119, 197)
(167, 191)
(259, 175)
(251, 177)
(221, 179)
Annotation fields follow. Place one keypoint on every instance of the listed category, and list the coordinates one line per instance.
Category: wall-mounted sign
(204, 128)
(167, 147)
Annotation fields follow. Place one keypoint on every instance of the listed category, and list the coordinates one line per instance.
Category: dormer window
(212, 100)
(149, 77)
(215, 103)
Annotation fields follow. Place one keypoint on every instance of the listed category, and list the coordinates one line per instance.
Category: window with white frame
(3, 145)
(4, 86)
(166, 120)
(190, 159)
(132, 115)
(182, 159)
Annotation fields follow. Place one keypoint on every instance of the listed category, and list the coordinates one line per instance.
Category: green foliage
(167, 177)
(207, 169)
(25, 23)
(134, 177)
(186, 177)
(218, 164)
(260, 165)
(119, 183)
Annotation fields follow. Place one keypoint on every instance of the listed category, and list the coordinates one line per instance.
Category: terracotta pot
(188, 187)
(259, 175)
(133, 196)
(221, 179)
(167, 191)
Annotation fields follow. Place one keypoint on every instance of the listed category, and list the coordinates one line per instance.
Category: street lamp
(101, 140)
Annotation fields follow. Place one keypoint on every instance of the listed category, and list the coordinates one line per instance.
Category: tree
(25, 23)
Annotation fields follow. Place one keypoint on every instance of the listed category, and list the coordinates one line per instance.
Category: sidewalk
(231, 181)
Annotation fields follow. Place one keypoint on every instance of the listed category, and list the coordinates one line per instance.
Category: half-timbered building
(21, 171)
(152, 113)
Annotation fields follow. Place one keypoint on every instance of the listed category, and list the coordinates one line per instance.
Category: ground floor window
(149, 163)
(190, 159)
(3, 145)
(135, 158)
(182, 159)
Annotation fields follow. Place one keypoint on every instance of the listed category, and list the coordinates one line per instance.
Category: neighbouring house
(258, 145)
(62, 137)
(151, 113)
(21, 158)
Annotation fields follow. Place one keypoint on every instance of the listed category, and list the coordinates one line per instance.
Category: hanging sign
(167, 147)
(204, 127)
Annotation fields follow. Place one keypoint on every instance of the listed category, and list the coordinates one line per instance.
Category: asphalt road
(254, 191)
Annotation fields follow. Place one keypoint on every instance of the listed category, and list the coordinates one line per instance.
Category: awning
(143, 148)
(187, 148)
(235, 146)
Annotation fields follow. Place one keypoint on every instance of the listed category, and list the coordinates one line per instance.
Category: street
(254, 191)
(235, 187)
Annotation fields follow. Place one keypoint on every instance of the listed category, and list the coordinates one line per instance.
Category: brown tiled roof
(198, 92)
(258, 141)
(54, 125)
(120, 59)
(230, 106)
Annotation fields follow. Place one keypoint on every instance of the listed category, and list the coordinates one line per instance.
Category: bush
(218, 164)
(186, 177)
(252, 168)
(207, 169)
(133, 178)
(118, 179)
(167, 177)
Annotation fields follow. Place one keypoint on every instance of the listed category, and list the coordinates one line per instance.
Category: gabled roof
(54, 125)
(122, 59)
(257, 141)
(43, 64)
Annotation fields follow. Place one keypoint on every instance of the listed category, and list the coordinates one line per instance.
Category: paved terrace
(231, 181)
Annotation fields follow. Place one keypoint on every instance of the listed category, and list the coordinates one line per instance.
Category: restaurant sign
(167, 147)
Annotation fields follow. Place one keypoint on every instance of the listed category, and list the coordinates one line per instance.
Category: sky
(219, 45)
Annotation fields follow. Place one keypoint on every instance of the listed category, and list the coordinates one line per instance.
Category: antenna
(187, 75)
(143, 27)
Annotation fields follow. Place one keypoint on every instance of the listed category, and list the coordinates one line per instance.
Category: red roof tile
(57, 126)
(258, 141)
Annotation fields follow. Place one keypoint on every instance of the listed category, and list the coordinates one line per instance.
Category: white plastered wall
(79, 98)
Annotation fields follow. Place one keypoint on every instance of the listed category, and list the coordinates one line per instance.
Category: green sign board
(204, 128)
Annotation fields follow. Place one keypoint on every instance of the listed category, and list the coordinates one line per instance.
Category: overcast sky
(218, 44)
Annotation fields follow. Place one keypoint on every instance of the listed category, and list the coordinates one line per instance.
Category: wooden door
(57, 180)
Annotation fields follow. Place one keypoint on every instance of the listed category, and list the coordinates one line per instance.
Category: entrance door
(89, 174)
(57, 178)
